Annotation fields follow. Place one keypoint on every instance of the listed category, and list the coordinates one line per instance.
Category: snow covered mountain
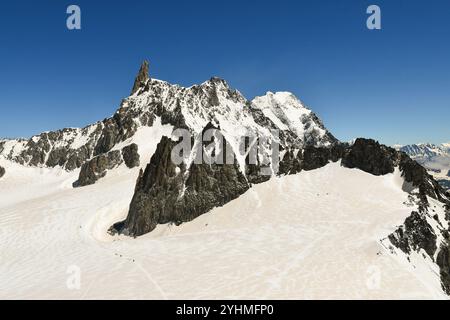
(330, 220)
(435, 158)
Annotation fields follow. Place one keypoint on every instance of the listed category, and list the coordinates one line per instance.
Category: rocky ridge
(192, 108)
(97, 168)
(166, 193)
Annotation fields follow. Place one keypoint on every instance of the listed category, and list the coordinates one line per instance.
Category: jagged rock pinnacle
(141, 78)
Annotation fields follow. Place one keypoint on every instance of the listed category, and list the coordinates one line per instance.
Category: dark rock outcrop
(415, 234)
(131, 156)
(314, 158)
(71, 148)
(166, 193)
(445, 184)
(141, 78)
(97, 167)
(2, 171)
(368, 155)
(108, 138)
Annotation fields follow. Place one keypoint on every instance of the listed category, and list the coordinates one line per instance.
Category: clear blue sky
(392, 85)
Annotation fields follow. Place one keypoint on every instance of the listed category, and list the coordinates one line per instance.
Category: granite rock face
(444, 184)
(418, 176)
(190, 108)
(131, 156)
(97, 168)
(167, 193)
(71, 148)
(2, 171)
(170, 193)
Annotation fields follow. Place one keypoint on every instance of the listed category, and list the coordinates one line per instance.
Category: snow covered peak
(214, 101)
(141, 78)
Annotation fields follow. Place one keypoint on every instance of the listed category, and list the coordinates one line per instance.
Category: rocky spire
(141, 78)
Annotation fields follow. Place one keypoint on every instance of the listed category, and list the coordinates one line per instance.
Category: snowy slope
(311, 235)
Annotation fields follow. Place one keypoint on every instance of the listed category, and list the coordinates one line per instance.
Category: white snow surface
(210, 102)
(311, 235)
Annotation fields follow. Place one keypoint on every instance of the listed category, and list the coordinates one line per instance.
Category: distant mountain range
(435, 158)
(324, 217)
